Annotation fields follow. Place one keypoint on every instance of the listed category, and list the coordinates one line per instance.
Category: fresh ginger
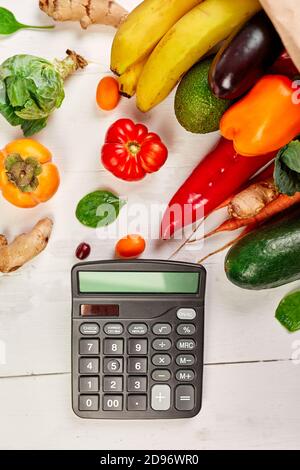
(25, 247)
(87, 12)
(251, 201)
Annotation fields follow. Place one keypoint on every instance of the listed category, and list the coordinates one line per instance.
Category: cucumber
(268, 257)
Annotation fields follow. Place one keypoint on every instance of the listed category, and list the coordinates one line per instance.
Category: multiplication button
(161, 360)
(185, 360)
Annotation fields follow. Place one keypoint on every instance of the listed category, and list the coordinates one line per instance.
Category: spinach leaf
(288, 312)
(287, 169)
(9, 24)
(99, 209)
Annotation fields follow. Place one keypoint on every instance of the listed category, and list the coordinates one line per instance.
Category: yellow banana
(186, 42)
(128, 80)
(143, 28)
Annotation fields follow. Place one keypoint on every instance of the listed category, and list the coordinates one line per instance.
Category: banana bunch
(161, 40)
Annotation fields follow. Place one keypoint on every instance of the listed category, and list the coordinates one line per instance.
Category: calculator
(137, 339)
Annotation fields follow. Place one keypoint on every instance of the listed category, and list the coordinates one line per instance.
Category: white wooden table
(251, 382)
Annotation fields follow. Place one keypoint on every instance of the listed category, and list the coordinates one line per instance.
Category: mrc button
(186, 314)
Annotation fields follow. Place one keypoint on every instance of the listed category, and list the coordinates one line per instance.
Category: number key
(112, 403)
(113, 346)
(89, 384)
(112, 366)
(89, 365)
(89, 346)
(88, 403)
(113, 384)
(137, 384)
(137, 364)
(137, 346)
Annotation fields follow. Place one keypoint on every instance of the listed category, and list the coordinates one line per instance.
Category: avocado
(196, 108)
(268, 257)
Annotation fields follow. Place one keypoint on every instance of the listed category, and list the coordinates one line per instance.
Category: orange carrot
(278, 205)
(107, 95)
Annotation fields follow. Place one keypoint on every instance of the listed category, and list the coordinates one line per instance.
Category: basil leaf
(287, 169)
(9, 23)
(99, 209)
(288, 312)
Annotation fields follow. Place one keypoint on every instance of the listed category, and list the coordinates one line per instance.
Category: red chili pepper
(216, 177)
(130, 151)
(285, 66)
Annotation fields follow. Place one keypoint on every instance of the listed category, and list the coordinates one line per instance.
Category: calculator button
(113, 346)
(186, 314)
(186, 329)
(88, 403)
(184, 397)
(112, 403)
(113, 329)
(161, 375)
(161, 344)
(162, 329)
(113, 365)
(89, 346)
(185, 344)
(185, 375)
(137, 346)
(185, 360)
(112, 384)
(137, 403)
(137, 364)
(137, 329)
(89, 329)
(89, 384)
(88, 365)
(137, 384)
(161, 360)
(160, 397)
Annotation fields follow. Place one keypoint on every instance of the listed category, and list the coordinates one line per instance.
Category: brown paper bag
(285, 15)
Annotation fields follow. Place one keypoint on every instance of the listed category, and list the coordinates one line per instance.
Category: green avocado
(196, 108)
(268, 257)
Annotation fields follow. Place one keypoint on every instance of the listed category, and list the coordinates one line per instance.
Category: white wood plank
(253, 406)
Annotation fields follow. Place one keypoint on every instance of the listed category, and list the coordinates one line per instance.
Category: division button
(113, 329)
(185, 344)
(88, 403)
(138, 329)
(90, 329)
(162, 329)
(185, 398)
(160, 397)
(112, 384)
(185, 360)
(161, 360)
(161, 344)
(113, 365)
(161, 375)
(186, 329)
(137, 403)
(185, 375)
(186, 314)
(113, 403)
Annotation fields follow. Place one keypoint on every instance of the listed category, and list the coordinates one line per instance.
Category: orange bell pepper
(266, 119)
(27, 176)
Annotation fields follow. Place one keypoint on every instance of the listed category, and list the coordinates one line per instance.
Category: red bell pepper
(130, 151)
(216, 178)
(285, 66)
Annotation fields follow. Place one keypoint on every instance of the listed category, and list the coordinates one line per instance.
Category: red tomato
(130, 246)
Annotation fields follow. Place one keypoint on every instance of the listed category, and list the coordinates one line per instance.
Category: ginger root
(251, 201)
(24, 247)
(107, 12)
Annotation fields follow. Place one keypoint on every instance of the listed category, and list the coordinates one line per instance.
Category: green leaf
(30, 128)
(99, 209)
(287, 169)
(288, 312)
(9, 23)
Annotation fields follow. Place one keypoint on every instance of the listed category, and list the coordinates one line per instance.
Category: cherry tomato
(107, 95)
(83, 251)
(130, 246)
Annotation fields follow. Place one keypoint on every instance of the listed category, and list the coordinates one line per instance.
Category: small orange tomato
(130, 246)
(108, 95)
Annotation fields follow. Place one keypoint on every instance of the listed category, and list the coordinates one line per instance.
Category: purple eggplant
(245, 57)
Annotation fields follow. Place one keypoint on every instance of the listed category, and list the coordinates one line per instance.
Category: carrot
(280, 204)
(107, 95)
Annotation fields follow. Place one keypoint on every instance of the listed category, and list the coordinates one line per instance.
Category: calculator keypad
(131, 367)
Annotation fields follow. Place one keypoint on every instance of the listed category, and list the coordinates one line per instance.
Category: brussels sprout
(31, 88)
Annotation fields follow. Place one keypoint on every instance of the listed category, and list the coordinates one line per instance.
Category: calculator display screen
(138, 282)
